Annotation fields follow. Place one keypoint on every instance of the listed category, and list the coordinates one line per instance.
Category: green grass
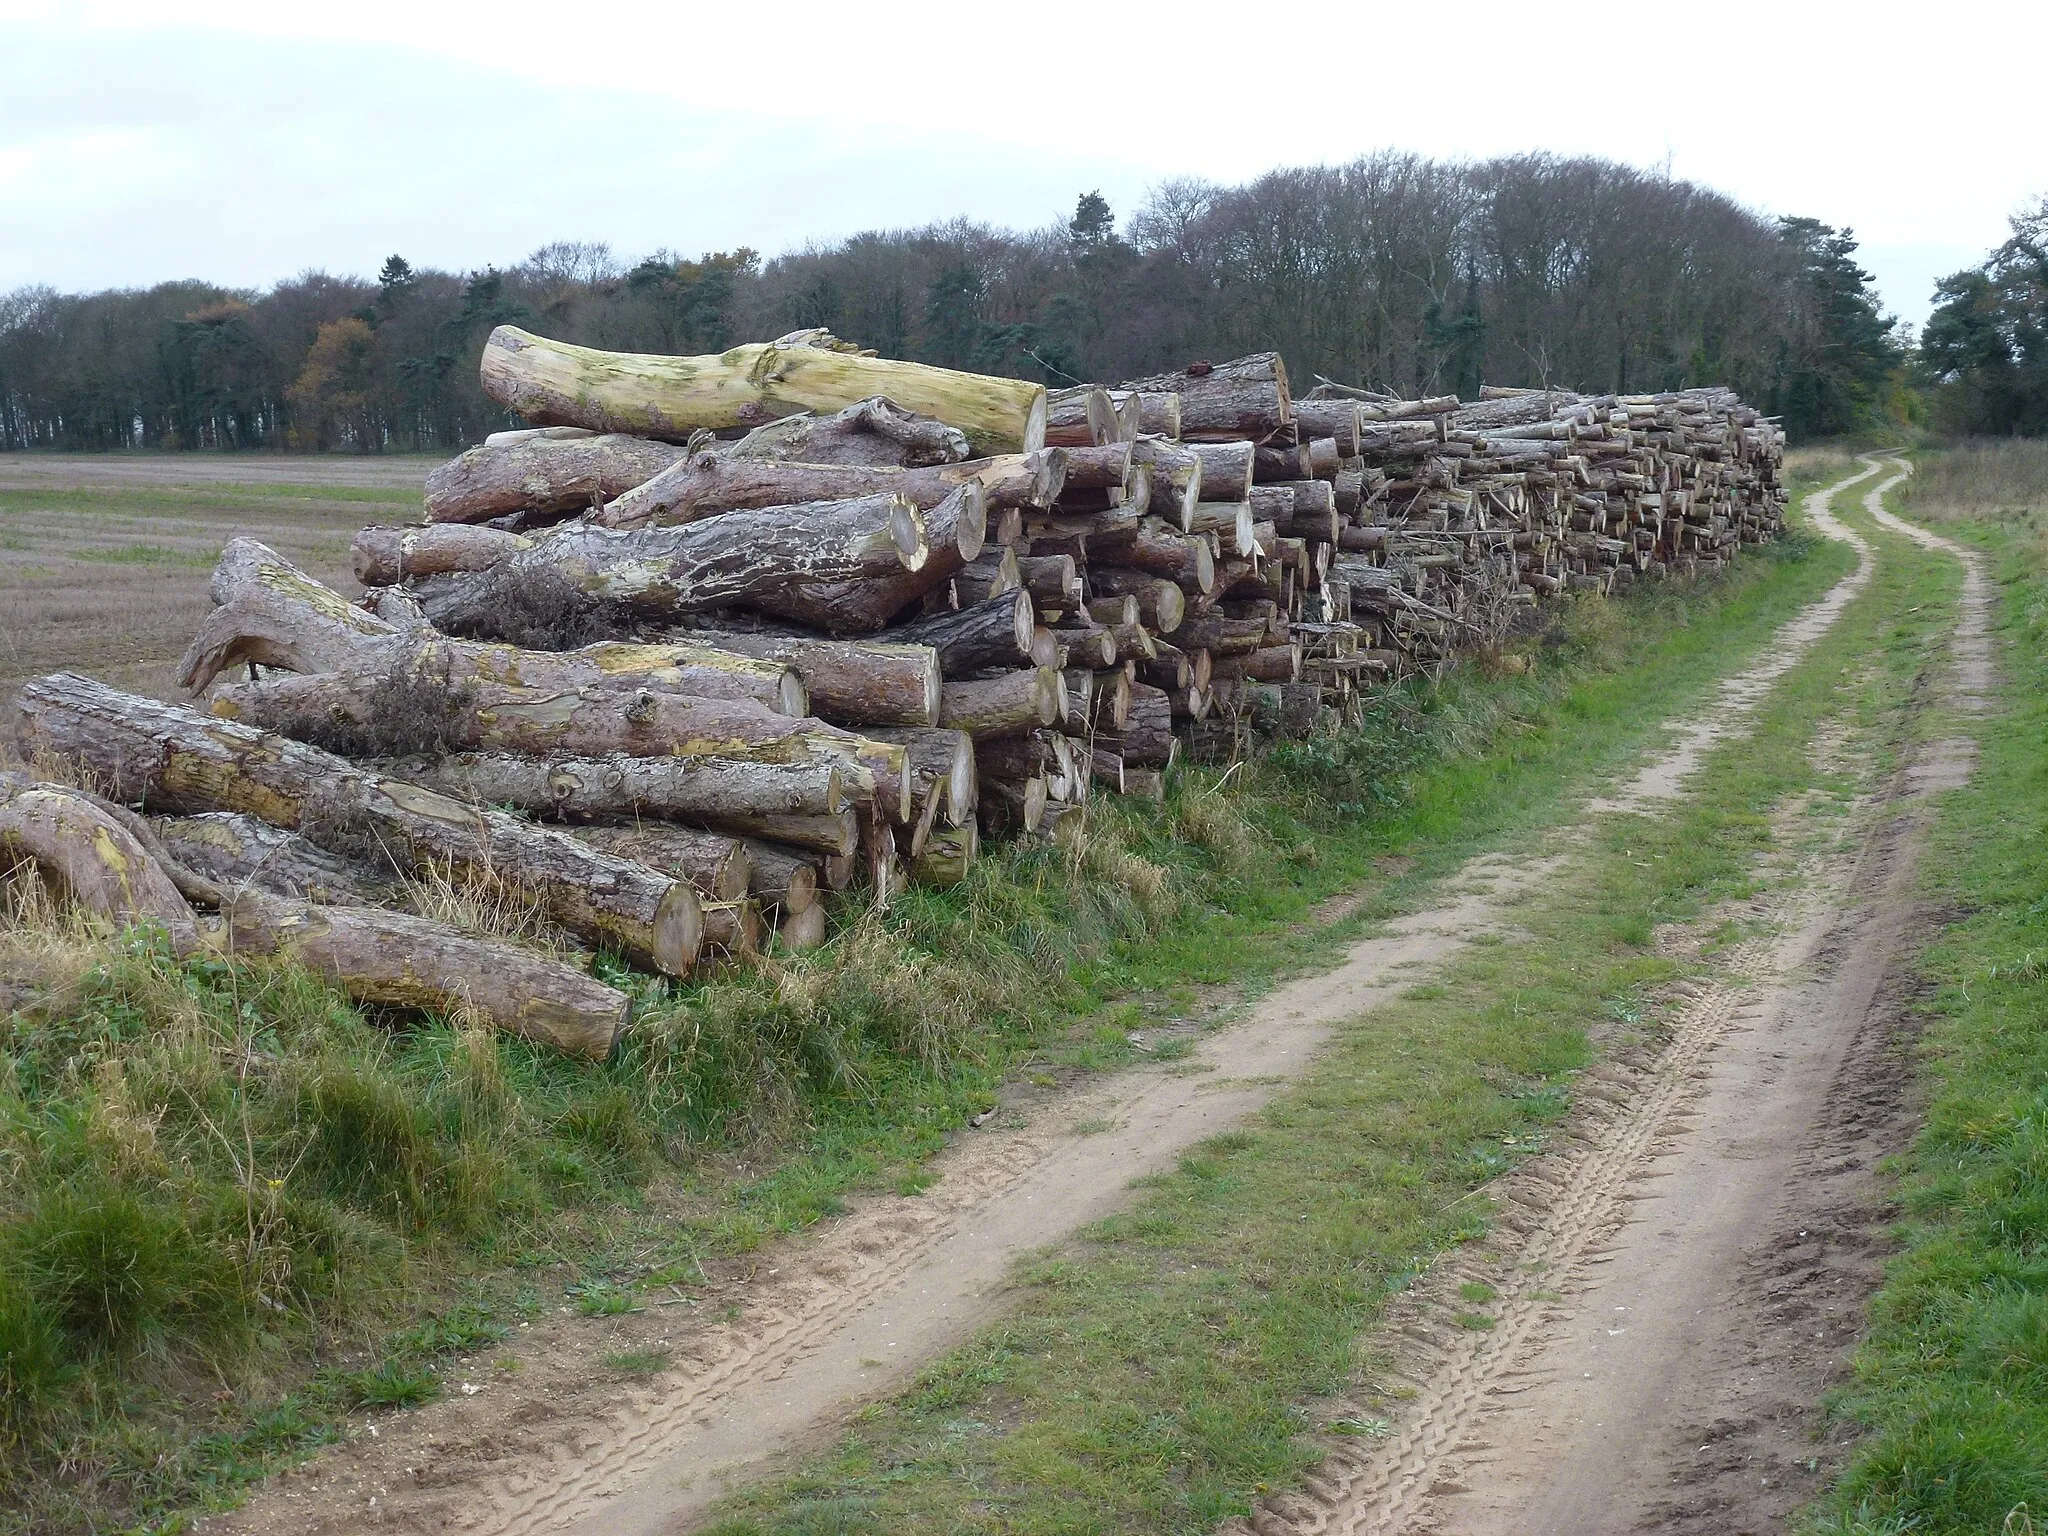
(145, 554)
(1155, 1372)
(1952, 1381)
(332, 1177)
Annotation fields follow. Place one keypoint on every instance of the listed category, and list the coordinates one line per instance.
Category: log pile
(717, 638)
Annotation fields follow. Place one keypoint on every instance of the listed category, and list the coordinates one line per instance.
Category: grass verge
(231, 1196)
(1159, 1373)
(1952, 1381)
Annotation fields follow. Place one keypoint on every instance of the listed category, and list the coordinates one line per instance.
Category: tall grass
(1995, 478)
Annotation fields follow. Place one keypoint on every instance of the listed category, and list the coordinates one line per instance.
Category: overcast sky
(244, 143)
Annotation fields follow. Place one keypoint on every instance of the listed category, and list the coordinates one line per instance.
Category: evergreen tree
(1839, 357)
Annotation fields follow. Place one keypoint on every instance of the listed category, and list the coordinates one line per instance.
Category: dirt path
(1677, 1290)
(855, 1309)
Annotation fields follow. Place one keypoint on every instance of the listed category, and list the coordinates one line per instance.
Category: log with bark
(180, 761)
(980, 637)
(716, 791)
(98, 855)
(947, 856)
(719, 867)
(1080, 418)
(734, 558)
(941, 758)
(849, 682)
(954, 529)
(1005, 704)
(382, 557)
(402, 961)
(235, 850)
(589, 723)
(1158, 550)
(271, 613)
(781, 877)
(553, 383)
(705, 484)
(1244, 399)
(92, 858)
(540, 472)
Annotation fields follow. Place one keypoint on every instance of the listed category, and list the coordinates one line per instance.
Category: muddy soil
(772, 1359)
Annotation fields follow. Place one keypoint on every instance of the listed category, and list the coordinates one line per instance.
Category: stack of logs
(719, 636)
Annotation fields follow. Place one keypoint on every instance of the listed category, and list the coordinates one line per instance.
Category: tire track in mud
(853, 1310)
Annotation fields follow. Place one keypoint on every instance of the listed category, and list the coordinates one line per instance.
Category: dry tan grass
(1982, 477)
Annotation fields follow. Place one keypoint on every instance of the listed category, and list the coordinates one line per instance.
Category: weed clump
(405, 712)
(543, 611)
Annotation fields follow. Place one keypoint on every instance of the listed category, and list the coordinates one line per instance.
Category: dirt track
(854, 1310)
(1678, 1290)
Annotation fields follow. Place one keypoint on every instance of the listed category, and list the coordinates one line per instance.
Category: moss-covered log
(553, 383)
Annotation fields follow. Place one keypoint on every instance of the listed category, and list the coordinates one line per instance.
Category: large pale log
(91, 857)
(1155, 548)
(996, 633)
(541, 472)
(955, 529)
(1220, 402)
(553, 383)
(178, 760)
(1004, 705)
(735, 557)
(707, 789)
(938, 756)
(402, 961)
(1161, 603)
(381, 557)
(235, 850)
(588, 723)
(850, 682)
(706, 484)
(273, 614)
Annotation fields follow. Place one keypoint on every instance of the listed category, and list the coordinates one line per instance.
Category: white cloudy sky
(244, 142)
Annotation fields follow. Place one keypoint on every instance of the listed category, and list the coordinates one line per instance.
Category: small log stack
(718, 638)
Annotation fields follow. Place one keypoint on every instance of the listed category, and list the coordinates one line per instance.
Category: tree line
(1395, 272)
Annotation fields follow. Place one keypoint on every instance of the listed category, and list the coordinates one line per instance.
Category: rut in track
(1678, 1287)
(855, 1309)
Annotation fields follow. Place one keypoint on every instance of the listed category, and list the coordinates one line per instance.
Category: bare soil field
(104, 558)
